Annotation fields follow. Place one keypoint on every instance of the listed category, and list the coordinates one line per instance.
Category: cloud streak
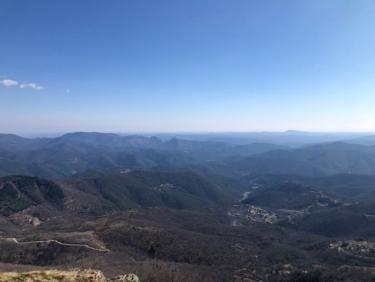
(13, 83)
(8, 82)
(33, 86)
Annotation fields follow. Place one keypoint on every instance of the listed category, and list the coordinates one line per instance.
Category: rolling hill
(290, 195)
(124, 189)
(318, 160)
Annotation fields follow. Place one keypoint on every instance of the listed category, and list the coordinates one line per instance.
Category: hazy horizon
(207, 134)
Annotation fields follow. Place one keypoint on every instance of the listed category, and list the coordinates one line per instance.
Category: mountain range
(78, 152)
(171, 209)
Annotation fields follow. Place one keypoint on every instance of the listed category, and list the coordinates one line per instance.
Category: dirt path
(14, 240)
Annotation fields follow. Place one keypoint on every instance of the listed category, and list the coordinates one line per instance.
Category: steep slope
(17, 193)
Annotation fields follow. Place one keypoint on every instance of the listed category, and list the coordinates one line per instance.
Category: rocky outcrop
(65, 276)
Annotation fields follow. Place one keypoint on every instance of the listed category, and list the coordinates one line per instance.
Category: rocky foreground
(64, 276)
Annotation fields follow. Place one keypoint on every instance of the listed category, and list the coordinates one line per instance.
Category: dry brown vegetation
(63, 276)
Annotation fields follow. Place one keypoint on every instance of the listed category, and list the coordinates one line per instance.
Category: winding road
(14, 240)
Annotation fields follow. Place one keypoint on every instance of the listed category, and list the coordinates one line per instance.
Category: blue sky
(194, 65)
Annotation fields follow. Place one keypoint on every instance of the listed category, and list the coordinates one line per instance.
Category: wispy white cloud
(33, 86)
(14, 83)
(9, 82)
